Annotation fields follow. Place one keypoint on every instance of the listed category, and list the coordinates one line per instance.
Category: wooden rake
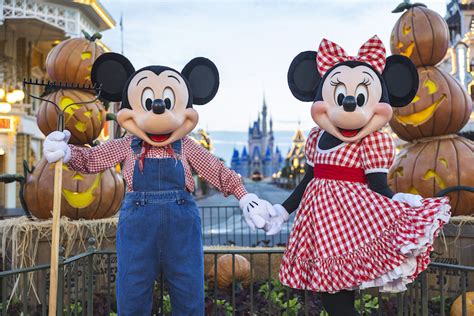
(58, 176)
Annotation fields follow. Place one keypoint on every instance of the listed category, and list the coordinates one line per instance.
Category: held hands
(256, 212)
(55, 146)
(274, 225)
(411, 199)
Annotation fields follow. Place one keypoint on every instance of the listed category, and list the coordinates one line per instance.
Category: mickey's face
(350, 108)
(156, 100)
(352, 100)
(159, 112)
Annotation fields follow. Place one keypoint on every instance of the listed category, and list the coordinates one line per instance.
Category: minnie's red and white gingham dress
(346, 236)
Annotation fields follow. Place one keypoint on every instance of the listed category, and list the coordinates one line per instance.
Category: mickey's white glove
(274, 225)
(256, 212)
(411, 199)
(55, 146)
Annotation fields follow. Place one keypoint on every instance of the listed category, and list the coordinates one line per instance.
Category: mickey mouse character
(351, 231)
(159, 225)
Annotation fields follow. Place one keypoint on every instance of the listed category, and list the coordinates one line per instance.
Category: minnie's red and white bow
(371, 52)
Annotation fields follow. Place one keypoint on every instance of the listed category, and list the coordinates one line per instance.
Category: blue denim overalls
(159, 230)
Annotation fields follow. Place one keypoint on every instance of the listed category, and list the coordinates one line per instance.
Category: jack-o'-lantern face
(421, 35)
(84, 121)
(441, 106)
(429, 100)
(429, 167)
(71, 60)
(83, 195)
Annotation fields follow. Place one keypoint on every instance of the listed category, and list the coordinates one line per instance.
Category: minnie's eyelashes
(335, 83)
(366, 82)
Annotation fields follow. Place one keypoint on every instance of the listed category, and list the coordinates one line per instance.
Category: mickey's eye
(168, 97)
(340, 93)
(361, 95)
(147, 98)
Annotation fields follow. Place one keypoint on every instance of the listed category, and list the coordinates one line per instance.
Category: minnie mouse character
(159, 226)
(351, 231)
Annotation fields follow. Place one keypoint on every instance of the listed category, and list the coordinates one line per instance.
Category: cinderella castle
(262, 158)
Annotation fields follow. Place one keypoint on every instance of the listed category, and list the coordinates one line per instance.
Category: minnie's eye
(362, 95)
(340, 93)
(168, 97)
(147, 98)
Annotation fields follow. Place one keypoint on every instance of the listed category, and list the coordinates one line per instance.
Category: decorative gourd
(427, 167)
(88, 196)
(442, 106)
(71, 60)
(224, 271)
(420, 34)
(84, 121)
(456, 308)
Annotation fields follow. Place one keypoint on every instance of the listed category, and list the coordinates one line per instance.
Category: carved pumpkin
(84, 121)
(456, 307)
(88, 196)
(442, 106)
(71, 60)
(420, 34)
(427, 167)
(224, 271)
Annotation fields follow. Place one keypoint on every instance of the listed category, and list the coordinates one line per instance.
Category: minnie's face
(158, 110)
(350, 108)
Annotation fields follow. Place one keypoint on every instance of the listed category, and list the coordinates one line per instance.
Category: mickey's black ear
(401, 79)
(203, 79)
(303, 76)
(111, 70)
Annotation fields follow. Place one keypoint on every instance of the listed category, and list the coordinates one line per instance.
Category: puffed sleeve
(310, 147)
(377, 152)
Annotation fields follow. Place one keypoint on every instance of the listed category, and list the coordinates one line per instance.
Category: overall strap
(177, 147)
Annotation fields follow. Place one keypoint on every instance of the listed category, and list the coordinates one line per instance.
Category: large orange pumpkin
(442, 106)
(456, 307)
(88, 196)
(427, 167)
(71, 60)
(420, 34)
(224, 271)
(84, 121)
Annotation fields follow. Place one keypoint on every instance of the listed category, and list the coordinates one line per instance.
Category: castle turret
(267, 163)
(264, 117)
(244, 163)
(235, 162)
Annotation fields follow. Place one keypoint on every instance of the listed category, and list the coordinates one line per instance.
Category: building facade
(459, 61)
(28, 31)
(263, 158)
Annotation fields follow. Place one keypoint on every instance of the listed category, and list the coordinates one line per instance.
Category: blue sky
(252, 44)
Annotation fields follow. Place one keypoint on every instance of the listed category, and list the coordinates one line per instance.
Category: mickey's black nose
(349, 103)
(159, 106)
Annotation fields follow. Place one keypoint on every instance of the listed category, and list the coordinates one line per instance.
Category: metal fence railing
(87, 281)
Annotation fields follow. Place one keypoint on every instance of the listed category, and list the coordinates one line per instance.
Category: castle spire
(264, 116)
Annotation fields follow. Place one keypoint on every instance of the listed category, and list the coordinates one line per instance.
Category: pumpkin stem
(406, 5)
(111, 117)
(95, 36)
(86, 35)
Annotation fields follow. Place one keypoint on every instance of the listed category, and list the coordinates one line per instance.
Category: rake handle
(53, 280)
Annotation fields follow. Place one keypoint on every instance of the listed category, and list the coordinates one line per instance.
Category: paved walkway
(226, 223)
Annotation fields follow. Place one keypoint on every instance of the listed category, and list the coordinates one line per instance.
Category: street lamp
(8, 98)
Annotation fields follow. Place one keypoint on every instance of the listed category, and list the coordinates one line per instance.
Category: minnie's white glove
(411, 199)
(256, 212)
(55, 146)
(274, 225)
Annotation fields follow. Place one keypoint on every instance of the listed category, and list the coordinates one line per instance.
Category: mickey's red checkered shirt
(107, 155)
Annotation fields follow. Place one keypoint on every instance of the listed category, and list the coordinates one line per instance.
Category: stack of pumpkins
(437, 158)
(87, 196)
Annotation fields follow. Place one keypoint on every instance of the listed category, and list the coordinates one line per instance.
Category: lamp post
(9, 97)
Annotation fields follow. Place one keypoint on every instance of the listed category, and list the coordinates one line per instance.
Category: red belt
(332, 172)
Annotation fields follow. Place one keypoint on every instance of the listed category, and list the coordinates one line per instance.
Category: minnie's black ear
(401, 79)
(203, 78)
(303, 76)
(111, 71)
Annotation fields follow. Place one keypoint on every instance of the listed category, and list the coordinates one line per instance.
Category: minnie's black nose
(158, 106)
(349, 103)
